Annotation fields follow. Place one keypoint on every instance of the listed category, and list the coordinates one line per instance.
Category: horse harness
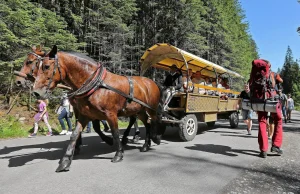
(96, 81)
(39, 59)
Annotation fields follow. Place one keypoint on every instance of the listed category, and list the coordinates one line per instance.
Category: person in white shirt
(290, 107)
(199, 80)
(187, 82)
(65, 111)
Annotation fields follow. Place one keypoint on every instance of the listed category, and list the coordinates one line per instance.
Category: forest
(117, 33)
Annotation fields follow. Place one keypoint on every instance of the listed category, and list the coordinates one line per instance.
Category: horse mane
(81, 56)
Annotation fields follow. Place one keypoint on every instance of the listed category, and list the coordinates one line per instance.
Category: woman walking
(290, 107)
(65, 111)
(41, 115)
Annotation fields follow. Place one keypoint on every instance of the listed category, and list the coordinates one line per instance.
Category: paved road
(212, 163)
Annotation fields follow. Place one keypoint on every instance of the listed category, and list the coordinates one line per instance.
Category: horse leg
(113, 123)
(79, 140)
(147, 143)
(96, 126)
(65, 162)
(126, 133)
(78, 144)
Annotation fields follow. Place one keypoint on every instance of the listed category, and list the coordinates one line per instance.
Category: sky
(273, 26)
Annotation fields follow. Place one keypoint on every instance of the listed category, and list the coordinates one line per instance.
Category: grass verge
(10, 127)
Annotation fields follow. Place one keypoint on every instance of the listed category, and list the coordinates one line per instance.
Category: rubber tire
(183, 134)
(210, 124)
(234, 119)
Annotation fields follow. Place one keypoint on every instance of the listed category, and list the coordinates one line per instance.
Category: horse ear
(33, 48)
(53, 52)
(39, 48)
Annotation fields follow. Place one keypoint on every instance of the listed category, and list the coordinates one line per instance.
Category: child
(41, 115)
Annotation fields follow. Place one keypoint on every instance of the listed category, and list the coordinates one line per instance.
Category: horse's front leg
(126, 133)
(147, 143)
(78, 145)
(65, 162)
(113, 123)
(96, 126)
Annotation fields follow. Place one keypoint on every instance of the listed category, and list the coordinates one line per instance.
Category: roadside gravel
(275, 174)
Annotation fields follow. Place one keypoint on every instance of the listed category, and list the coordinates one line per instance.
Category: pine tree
(23, 24)
(286, 72)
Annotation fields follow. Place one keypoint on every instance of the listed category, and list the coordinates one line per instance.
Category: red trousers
(262, 133)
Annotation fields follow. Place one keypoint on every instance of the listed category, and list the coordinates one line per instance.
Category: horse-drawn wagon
(187, 108)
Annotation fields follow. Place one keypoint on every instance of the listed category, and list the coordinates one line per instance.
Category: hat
(174, 66)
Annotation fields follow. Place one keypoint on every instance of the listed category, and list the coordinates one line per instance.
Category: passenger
(188, 85)
(219, 85)
(222, 95)
(199, 80)
(173, 84)
(225, 83)
(209, 83)
(193, 76)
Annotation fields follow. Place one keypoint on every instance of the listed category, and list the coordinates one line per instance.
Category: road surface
(214, 162)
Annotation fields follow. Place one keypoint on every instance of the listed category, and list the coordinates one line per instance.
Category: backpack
(263, 84)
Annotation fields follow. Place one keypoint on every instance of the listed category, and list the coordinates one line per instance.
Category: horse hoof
(145, 148)
(64, 165)
(124, 141)
(156, 140)
(117, 159)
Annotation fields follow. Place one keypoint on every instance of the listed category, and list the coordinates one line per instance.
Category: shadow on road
(92, 148)
(220, 149)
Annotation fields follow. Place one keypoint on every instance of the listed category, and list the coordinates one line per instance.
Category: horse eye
(47, 67)
(29, 62)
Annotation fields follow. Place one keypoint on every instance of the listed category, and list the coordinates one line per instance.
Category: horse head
(29, 67)
(48, 74)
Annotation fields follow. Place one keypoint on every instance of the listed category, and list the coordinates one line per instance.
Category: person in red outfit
(265, 92)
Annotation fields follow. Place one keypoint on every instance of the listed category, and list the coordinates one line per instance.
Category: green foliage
(10, 127)
(23, 24)
(290, 74)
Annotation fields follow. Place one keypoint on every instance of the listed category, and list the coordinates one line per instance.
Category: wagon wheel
(188, 128)
(234, 119)
(211, 124)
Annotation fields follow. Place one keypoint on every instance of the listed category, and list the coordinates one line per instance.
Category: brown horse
(30, 69)
(94, 100)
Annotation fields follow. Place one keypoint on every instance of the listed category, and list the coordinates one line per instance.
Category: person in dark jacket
(247, 114)
(173, 84)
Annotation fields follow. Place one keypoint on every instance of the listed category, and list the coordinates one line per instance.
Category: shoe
(49, 134)
(262, 154)
(136, 139)
(69, 132)
(106, 128)
(285, 121)
(249, 132)
(277, 150)
(87, 131)
(63, 132)
(32, 135)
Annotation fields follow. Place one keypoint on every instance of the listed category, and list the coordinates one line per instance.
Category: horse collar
(91, 84)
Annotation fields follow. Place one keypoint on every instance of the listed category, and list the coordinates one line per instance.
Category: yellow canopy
(164, 55)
